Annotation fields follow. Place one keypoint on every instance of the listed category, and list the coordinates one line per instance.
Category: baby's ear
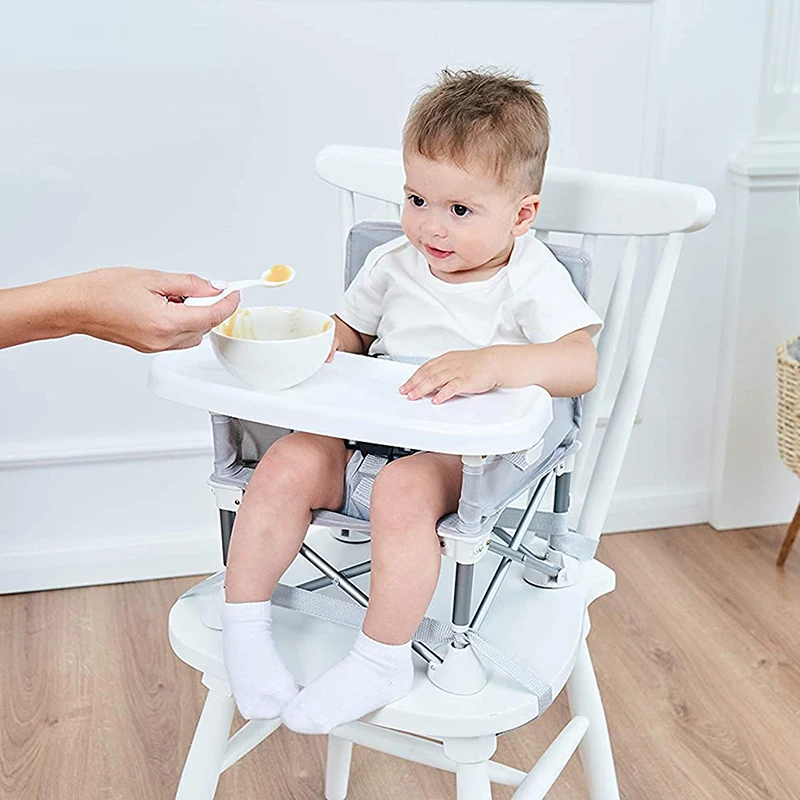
(527, 210)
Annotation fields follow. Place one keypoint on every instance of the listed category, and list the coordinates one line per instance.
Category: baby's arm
(349, 340)
(565, 368)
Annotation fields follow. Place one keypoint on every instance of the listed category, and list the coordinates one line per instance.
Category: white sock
(260, 681)
(371, 676)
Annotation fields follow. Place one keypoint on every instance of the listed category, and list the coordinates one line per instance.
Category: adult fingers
(203, 318)
(183, 284)
(220, 311)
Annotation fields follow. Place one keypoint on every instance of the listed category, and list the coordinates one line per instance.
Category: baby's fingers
(423, 382)
(450, 389)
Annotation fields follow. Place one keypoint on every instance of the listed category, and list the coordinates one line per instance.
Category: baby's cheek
(406, 223)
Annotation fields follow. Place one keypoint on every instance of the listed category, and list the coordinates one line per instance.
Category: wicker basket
(789, 403)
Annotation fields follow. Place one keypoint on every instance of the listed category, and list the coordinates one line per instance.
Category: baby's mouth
(437, 253)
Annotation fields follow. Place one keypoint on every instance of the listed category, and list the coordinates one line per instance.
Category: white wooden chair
(541, 619)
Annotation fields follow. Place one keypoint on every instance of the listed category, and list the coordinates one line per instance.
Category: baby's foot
(260, 681)
(370, 677)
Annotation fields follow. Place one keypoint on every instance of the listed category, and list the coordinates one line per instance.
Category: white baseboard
(164, 556)
(91, 565)
(639, 512)
(68, 452)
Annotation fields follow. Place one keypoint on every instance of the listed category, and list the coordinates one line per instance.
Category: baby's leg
(409, 497)
(298, 473)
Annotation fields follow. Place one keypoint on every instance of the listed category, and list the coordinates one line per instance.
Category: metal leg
(505, 563)
(562, 487)
(352, 591)
(349, 572)
(204, 762)
(337, 774)
(226, 520)
(462, 594)
(595, 748)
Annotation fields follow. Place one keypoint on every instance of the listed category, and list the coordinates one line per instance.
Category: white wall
(182, 136)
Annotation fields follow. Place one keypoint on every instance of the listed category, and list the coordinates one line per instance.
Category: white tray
(355, 397)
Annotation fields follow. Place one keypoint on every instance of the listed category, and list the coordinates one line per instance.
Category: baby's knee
(401, 488)
(294, 457)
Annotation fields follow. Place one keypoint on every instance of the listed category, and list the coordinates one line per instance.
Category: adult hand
(138, 308)
(143, 309)
(457, 372)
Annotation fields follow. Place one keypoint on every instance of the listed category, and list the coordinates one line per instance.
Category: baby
(490, 307)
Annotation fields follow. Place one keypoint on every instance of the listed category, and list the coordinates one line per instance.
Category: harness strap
(432, 632)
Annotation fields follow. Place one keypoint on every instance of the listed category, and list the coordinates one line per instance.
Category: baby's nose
(433, 226)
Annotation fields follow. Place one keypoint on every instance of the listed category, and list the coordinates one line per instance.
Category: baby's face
(462, 220)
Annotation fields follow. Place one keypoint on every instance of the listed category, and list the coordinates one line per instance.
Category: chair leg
(791, 535)
(595, 748)
(472, 766)
(204, 762)
(337, 772)
(472, 782)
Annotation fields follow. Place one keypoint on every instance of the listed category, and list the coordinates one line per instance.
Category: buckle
(389, 452)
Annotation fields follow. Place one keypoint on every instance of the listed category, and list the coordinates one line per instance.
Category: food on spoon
(277, 273)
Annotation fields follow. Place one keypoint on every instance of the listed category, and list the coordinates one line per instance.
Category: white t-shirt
(396, 298)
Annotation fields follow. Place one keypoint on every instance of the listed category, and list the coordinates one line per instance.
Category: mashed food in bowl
(239, 325)
(296, 325)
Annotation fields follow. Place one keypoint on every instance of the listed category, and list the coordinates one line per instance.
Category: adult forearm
(138, 308)
(565, 368)
(40, 311)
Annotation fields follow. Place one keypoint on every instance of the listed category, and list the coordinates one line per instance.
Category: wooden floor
(697, 654)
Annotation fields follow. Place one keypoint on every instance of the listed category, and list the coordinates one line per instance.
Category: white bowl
(272, 348)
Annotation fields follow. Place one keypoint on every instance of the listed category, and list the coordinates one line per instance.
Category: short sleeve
(361, 306)
(546, 303)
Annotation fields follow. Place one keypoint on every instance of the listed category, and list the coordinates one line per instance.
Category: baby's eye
(416, 200)
(459, 210)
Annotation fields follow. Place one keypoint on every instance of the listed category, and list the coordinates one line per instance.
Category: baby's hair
(486, 115)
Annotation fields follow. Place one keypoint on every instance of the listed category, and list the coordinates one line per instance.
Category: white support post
(615, 443)
(472, 766)
(614, 324)
(595, 747)
(552, 762)
(337, 772)
(249, 736)
(204, 763)
(418, 750)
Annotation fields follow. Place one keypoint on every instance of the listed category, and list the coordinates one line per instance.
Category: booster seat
(481, 673)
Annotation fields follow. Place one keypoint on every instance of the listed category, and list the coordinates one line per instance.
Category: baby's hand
(458, 372)
(334, 347)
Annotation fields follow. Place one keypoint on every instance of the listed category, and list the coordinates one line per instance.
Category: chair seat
(543, 627)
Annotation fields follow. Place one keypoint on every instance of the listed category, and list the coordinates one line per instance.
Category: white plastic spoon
(276, 276)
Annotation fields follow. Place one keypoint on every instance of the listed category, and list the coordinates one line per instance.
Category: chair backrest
(592, 205)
